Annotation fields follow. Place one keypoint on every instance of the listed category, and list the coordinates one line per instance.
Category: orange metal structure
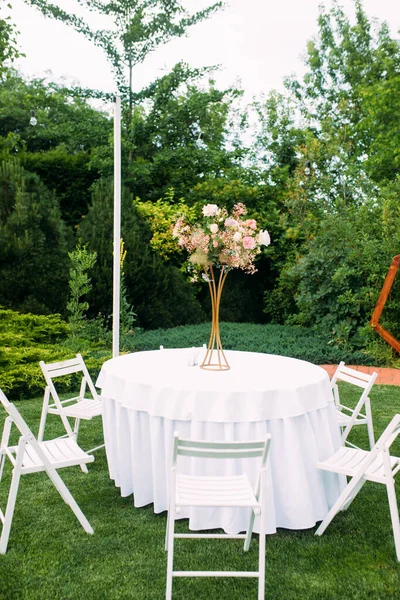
(387, 286)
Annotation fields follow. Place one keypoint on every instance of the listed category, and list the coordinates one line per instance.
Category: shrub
(294, 341)
(34, 243)
(337, 281)
(26, 339)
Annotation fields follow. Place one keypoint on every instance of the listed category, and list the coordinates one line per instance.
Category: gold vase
(215, 359)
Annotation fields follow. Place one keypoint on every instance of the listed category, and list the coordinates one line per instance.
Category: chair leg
(76, 428)
(84, 468)
(69, 499)
(394, 514)
(12, 497)
(170, 550)
(353, 494)
(4, 443)
(167, 531)
(249, 531)
(370, 425)
(258, 494)
(43, 416)
(8, 517)
(261, 541)
(340, 502)
(261, 558)
(394, 511)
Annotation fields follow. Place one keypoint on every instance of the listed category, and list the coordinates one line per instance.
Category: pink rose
(229, 222)
(210, 210)
(239, 209)
(248, 242)
(213, 228)
(251, 223)
(215, 244)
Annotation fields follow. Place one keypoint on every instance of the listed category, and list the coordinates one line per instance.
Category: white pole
(117, 225)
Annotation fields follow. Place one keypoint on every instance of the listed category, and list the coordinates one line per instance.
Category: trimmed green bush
(297, 342)
(26, 339)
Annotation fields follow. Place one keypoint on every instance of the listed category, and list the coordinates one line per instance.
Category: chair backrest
(23, 428)
(68, 367)
(358, 378)
(390, 434)
(382, 447)
(202, 449)
(16, 416)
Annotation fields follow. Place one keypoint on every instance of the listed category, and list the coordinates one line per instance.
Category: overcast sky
(256, 42)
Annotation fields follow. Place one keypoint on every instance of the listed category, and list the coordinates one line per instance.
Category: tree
(178, 137)
(337, 131)
(34, 244)
(140, 26)
(59, 148)
(9, 51)
(338, 279)
(80, 285)
(349, 99)
(158, 290)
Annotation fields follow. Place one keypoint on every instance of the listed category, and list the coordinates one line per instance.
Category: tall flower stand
(215, 359)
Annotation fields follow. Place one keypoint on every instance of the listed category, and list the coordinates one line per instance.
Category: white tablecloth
(149, 395)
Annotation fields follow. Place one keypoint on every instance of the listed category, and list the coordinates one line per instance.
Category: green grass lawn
(51, 557)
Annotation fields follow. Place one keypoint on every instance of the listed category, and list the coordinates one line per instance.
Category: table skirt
(297, 494)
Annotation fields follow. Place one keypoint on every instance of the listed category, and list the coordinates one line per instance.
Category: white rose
(237, 236)
(210, 210)
(213, 228)
(264, 238)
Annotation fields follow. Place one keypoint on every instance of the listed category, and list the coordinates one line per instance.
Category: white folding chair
(361, 465)
(221, 491)
(349, 417)
(78, 407)
(31, 456)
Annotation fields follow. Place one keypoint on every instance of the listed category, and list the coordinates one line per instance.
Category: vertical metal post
(117, 225)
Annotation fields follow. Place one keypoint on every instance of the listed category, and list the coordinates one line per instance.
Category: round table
(149, 395)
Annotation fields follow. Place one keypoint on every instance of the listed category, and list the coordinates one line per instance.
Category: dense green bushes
(337, 281)
(158, 291)
(297, 342)
(26, 339)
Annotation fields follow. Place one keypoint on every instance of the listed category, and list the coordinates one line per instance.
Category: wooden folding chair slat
(67, 370)
(345, 419)
(217, 491)
(84, 409)
(375, 465)
(355, 374)
(350, 417)
(79, 407)
(69, 362)
(31, 456)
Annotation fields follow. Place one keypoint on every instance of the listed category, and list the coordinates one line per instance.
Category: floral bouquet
(225, 242)
(221, 240)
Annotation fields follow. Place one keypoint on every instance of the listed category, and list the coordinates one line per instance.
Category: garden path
(385, 375)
